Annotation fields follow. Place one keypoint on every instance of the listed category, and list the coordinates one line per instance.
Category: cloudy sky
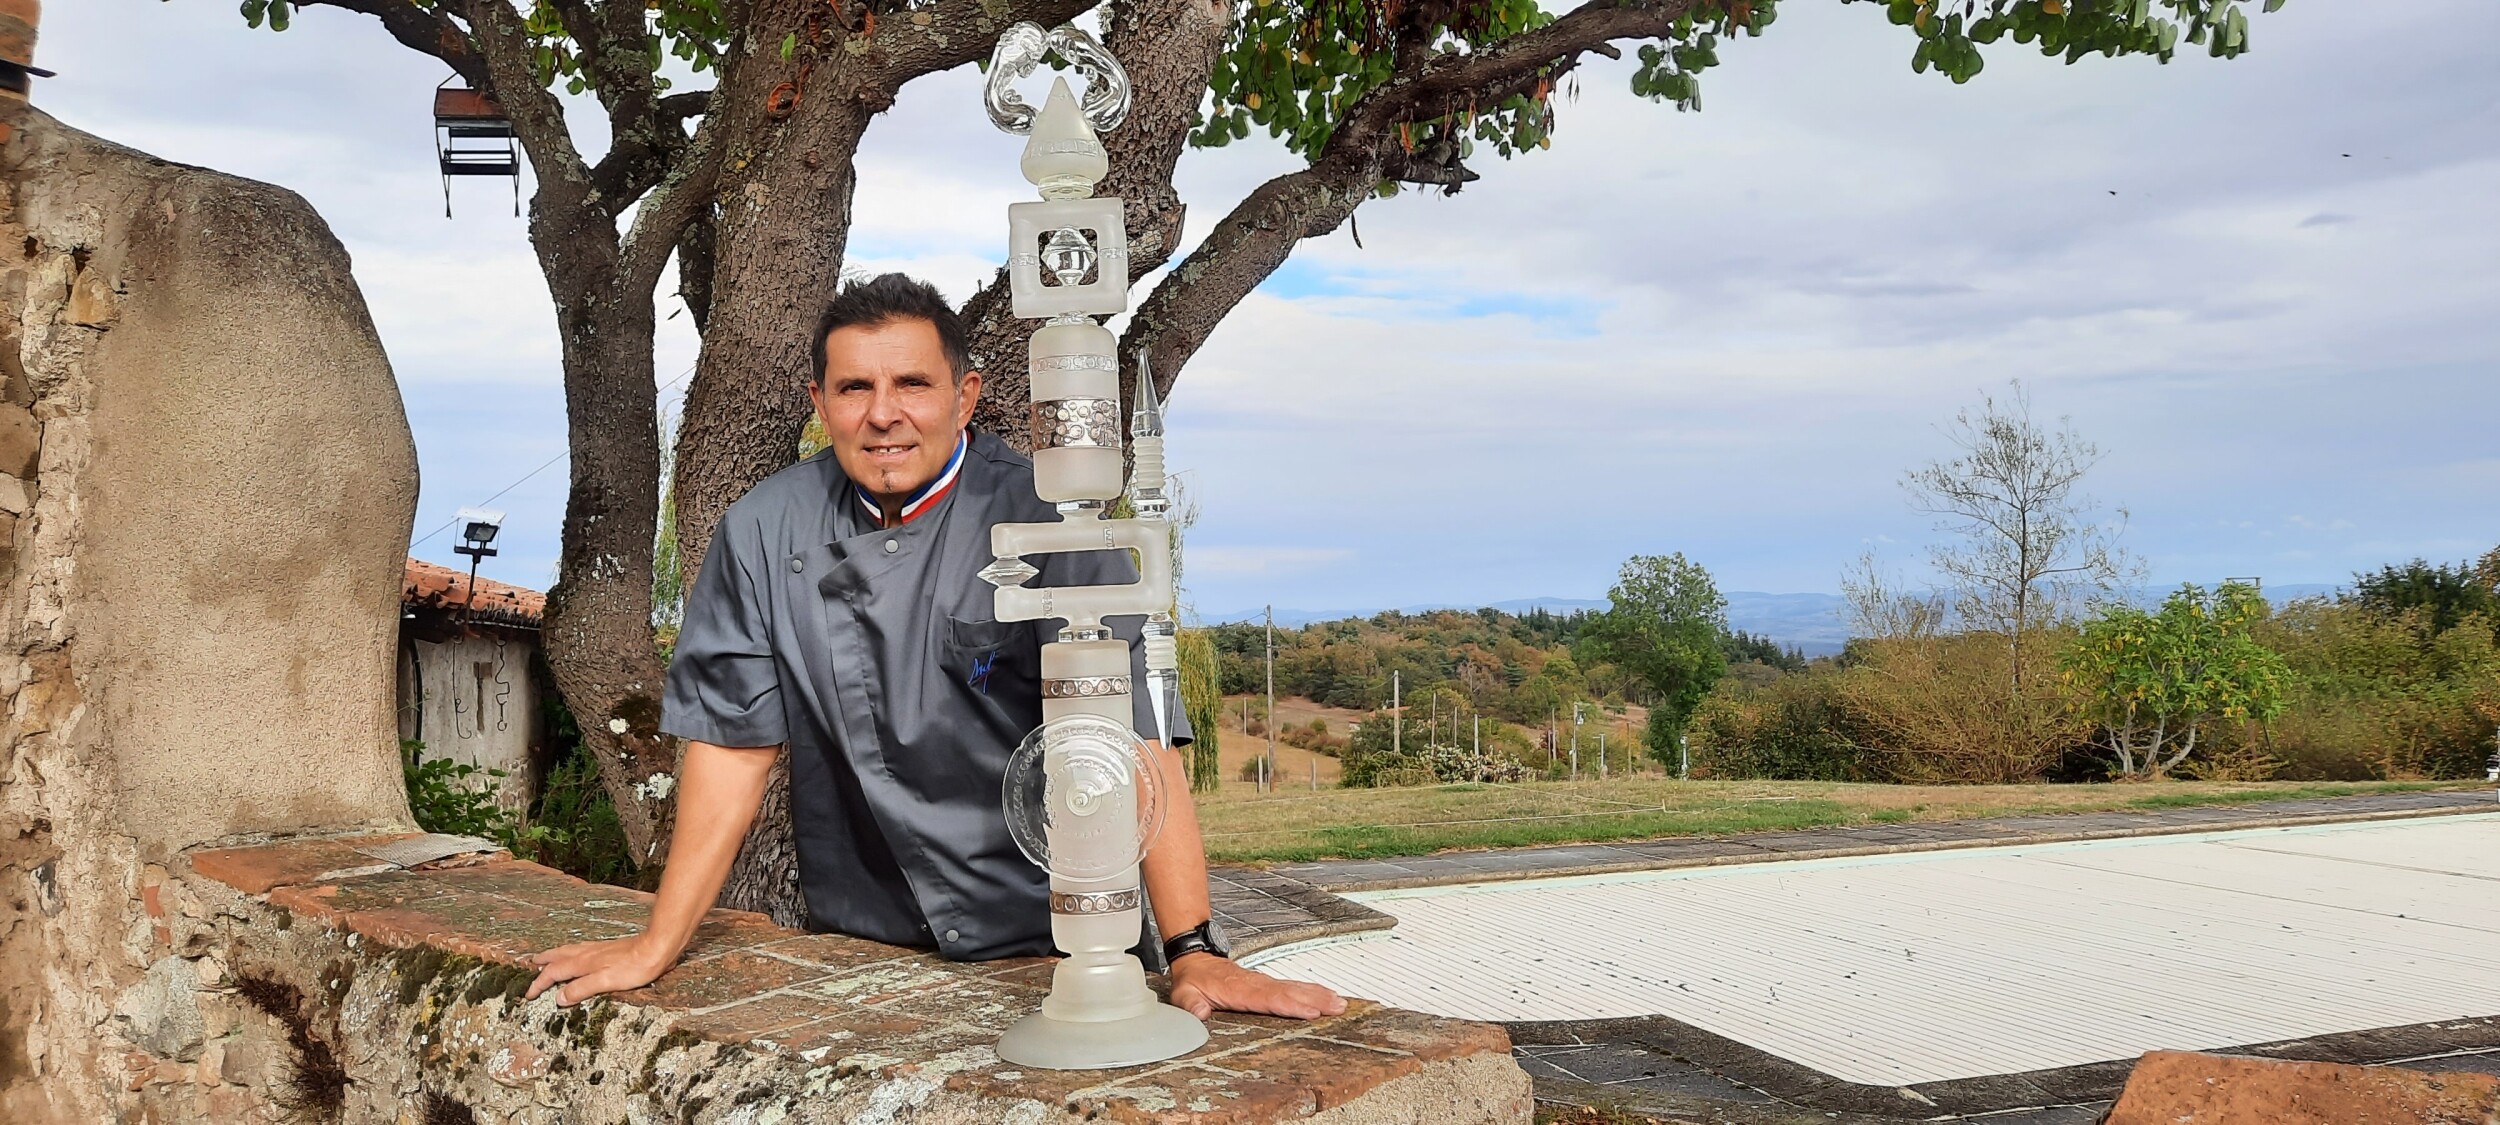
(2265, 288)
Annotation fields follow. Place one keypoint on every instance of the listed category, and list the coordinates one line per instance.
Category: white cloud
(2263, 286)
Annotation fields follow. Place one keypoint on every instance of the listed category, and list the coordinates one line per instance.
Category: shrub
(453, 797)
(1314, 737)
(1202, 697)
(2155, 682)
(1941, 710)
(572, 827)
(2383, 696)
(1790, 729)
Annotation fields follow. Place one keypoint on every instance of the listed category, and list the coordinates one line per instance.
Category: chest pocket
(989, 657)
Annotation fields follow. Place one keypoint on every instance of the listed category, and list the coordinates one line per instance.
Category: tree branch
(676, 108)
(1262, 231)
(616, 55)
(666, 211)
(949, 33)
(425, 31)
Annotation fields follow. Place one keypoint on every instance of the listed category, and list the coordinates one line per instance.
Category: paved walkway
(1658, 1067)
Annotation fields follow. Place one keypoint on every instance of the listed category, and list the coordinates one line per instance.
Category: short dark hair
(887, 298)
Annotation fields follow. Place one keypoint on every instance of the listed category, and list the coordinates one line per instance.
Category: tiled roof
(428, 586)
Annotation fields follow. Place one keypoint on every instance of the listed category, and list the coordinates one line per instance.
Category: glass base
(1161, 1032)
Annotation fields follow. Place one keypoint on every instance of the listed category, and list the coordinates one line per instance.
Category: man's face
(890, 405)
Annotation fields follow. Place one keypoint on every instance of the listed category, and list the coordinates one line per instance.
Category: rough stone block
(2186, 1088)
(21, 440)
(162, 1012)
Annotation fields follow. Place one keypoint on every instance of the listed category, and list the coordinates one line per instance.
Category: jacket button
(892, 546)
(951, 936)
(796, 566)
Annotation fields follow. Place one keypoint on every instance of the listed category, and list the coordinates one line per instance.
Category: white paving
(1931, 966)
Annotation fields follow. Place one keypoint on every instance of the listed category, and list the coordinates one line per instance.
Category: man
(839, 613)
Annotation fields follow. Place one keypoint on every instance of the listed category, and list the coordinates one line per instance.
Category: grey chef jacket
(876, 656)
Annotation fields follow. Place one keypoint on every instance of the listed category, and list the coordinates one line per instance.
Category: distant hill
(1816, 624)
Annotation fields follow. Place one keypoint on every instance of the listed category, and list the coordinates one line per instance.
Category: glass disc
(1083, 798)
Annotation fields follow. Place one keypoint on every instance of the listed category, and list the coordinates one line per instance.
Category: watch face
(1216, 940)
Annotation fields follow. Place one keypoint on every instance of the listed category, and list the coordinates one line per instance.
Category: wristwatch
(1204, 939)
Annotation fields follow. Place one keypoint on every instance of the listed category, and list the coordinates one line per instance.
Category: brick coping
(822, 1000)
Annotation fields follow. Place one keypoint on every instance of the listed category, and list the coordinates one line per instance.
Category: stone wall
(337, 983)
(206, 484)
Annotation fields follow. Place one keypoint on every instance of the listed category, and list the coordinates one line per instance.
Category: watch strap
(1202, 938)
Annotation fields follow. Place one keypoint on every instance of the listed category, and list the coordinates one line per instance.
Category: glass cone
(1008, 571)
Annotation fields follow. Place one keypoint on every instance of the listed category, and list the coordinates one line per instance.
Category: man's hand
(596, 967)
(718, 789)
(1203, 983)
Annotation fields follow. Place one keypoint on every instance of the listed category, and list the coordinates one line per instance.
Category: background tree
(2031, 547)
(2443, 595)
(2153, 681)
(747, 185)
(1667, 624)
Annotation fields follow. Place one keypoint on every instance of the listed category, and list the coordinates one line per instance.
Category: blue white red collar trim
(927, 497)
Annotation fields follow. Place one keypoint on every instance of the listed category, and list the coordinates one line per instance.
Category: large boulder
(2187, 1088)
(225, 488)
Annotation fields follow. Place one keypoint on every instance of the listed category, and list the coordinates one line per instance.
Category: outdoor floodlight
(477, 529)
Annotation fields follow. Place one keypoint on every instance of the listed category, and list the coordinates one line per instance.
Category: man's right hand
(718, 789)
(590, 968)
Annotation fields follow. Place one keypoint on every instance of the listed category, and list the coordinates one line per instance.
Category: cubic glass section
(1031, 225)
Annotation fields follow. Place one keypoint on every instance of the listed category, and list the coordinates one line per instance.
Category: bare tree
(1880, 607)
(2031, 549)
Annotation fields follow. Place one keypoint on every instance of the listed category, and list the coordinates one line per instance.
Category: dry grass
(1297, 824)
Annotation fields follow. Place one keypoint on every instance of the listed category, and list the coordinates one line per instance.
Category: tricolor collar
(927, 497)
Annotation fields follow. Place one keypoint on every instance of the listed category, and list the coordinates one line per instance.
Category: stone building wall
(206, 484)
(471, 699)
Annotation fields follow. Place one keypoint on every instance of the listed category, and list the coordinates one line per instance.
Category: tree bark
(778, 241)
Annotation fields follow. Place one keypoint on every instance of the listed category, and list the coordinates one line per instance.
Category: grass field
(1296, 824)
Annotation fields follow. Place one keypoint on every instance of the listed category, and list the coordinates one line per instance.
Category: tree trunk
(598, 627)
(776, 246)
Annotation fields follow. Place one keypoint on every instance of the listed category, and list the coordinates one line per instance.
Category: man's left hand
(1203, 983)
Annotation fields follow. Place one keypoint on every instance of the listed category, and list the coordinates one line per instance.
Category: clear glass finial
(1020, 51)
(1147, 419)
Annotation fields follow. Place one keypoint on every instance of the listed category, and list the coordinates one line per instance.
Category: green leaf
(789, 45)
(252, 11)
(279, 15)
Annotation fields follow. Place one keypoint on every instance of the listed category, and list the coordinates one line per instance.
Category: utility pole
(1601, 755)
(1397, 718)
(1267, 765)
(1683, 759)
(1576, 719)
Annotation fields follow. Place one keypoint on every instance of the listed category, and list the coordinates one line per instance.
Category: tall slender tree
(2029, 546)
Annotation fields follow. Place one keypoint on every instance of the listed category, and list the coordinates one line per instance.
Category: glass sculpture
(1084, 794)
